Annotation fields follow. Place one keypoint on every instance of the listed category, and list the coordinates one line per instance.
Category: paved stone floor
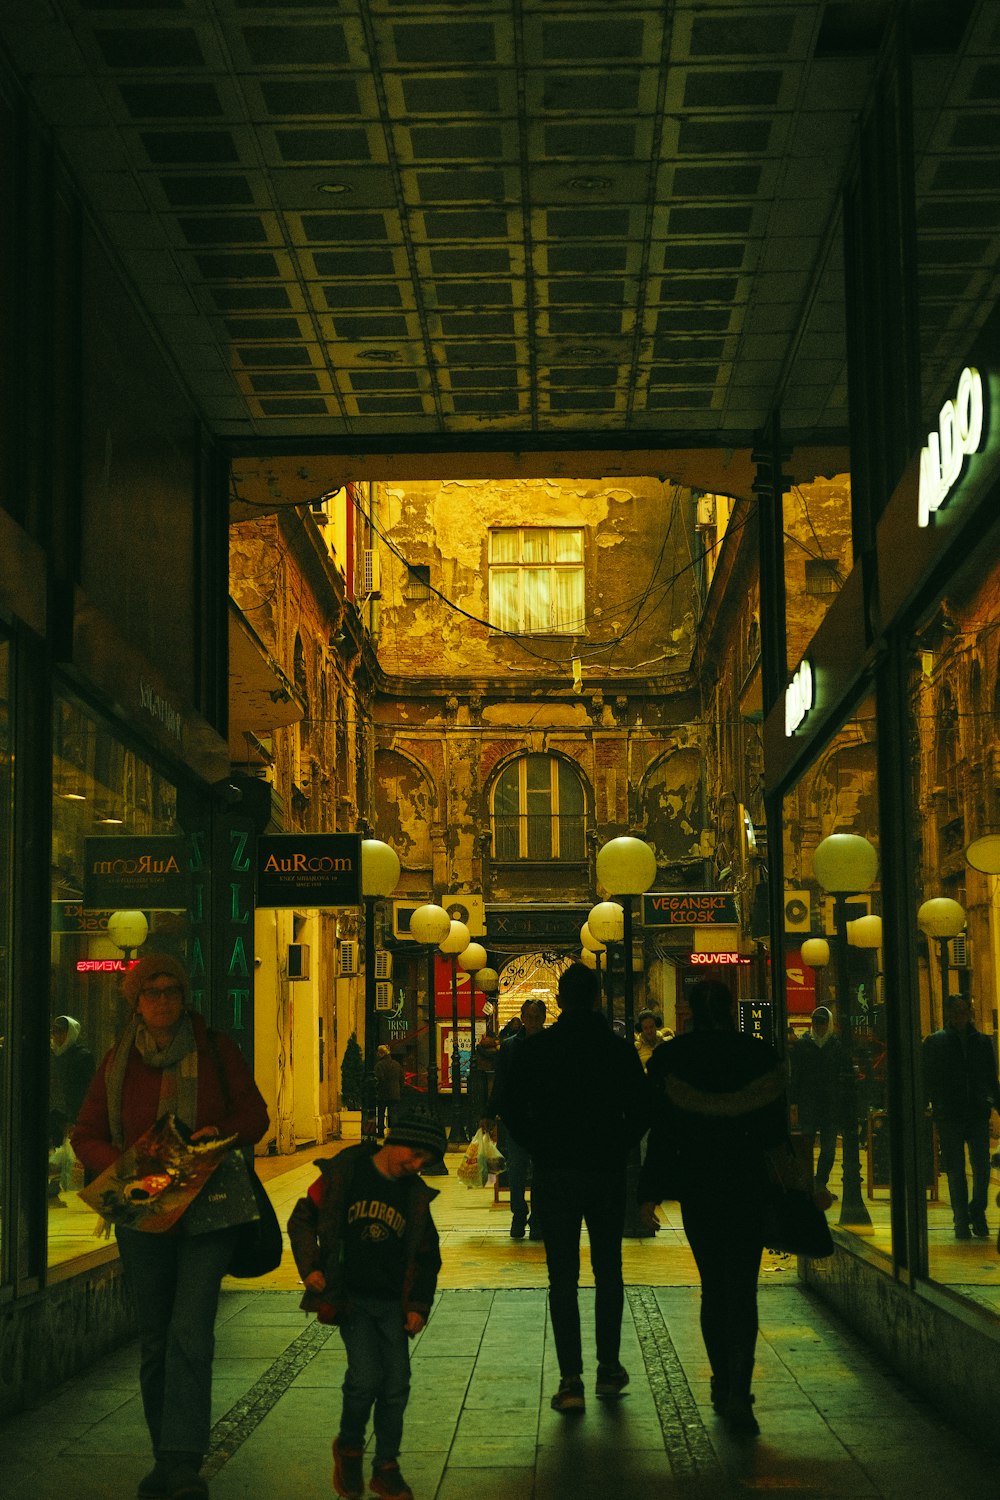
(835, 1422)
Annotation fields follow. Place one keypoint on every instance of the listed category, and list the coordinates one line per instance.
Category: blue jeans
(175, 1280)
(378, 1374)
(518, 1169)
(566, 1198)
(954, 1136)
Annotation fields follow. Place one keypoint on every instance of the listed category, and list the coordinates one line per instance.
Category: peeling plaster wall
(817, 523)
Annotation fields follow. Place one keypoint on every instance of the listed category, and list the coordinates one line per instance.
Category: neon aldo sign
(800, 695)
(959, 434)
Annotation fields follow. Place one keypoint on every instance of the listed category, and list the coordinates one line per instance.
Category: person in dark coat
(516, 1157)
(718, 1109)
(576, 1101)
(367, 1249)
(167, 1061)
(817, 1064)
(960, 1081)
(389, 1080)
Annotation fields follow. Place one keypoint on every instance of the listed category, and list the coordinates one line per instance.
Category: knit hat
(419, 1130)
(148, 967)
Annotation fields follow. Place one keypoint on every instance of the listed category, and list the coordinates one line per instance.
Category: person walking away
(389, 1080)
(167, 1061)
(960, 1081)
(516, 1156)
(816, 1067)
(579, 1086)
(367, 1250)
(718, 1102)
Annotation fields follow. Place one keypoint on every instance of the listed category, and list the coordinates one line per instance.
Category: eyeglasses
(164, 992)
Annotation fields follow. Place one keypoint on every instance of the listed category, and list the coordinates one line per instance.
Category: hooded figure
(70, 1072)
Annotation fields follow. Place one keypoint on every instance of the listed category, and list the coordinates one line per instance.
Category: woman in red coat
(167, 1061)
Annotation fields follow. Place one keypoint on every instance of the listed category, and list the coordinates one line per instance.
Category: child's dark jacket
(316, 1234)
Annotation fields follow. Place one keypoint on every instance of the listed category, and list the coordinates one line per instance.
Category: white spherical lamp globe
(607, 922)
(455, 940)
(626, 866)
(429, 924)
(472, 958)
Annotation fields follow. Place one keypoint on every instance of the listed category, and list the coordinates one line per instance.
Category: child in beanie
(367, 1250)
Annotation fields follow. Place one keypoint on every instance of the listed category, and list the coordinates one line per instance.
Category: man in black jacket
(817, 1069)
(576, 1101)
(518, 1160)
(960, 1080)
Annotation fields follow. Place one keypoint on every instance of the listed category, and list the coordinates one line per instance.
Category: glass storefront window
(833, 939)
(101, 789)
(954, 691)
(819, 556)
(6, 866)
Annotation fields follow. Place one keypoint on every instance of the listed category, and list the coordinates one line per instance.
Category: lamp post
(606, 924)
(428, 925)
(941, 918)
(590, 954)
(846, 864)
(815, 954)
(489, 983)
(471, 960)
(379, 874)
(626, 867)
(454, 942)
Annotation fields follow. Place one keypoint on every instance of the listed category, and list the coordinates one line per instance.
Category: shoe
(348, 1471)
(156, 1484)
(611, 1380)
(517, 1228)
(569, 1396)
(963, 1232)
(719, 1394)
(187, 1484)
(739, 1418)
(980, 1228)
(387, 1480)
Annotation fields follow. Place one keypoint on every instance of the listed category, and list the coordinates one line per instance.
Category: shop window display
(834, 981)
(954, 690)
(101, 789)
(6, 865)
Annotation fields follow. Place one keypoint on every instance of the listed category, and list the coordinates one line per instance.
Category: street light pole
(451, 945)
(845, 864)
(428, 925)
(940, 918)
(380, 870)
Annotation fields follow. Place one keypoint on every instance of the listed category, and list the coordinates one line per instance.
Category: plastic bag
(481, 1158)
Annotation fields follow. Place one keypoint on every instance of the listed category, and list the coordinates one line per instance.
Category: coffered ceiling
(505, 223)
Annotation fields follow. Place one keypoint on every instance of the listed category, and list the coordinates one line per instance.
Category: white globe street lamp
(941, 919)
(128, 930)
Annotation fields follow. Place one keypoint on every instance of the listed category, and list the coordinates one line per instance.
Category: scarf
(177, 1063)
(821, 1041)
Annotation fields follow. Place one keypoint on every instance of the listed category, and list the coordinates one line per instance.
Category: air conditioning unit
(347, 957)
(958, 952)
(463, 906)
(383, 997)
(798, 911)
(371, 573)
(706, 511)
(319, 512)
(402, 911)
(383, 964)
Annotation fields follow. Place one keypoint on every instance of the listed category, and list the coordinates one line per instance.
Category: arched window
(539, 810)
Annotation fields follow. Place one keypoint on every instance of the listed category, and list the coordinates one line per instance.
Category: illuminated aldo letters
(799, 696)
(960, 431)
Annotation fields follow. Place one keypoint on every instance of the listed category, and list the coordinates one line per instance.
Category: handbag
(227, 1198)
(793, 1225)
(258, 1243)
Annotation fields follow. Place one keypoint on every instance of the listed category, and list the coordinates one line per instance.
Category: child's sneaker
(611, 1380)
(388, 1481)
(348, 1471)
(569, 1396)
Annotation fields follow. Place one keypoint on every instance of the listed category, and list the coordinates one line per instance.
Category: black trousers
(564, 1200)
(726, 1243)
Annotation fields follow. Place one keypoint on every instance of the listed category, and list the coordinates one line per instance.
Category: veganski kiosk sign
(689, 908)
(309, 869)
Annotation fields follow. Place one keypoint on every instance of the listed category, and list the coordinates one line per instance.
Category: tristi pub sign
(309, 869)
(689, 908)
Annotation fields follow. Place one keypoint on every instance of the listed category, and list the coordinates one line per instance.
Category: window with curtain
(539, 811)
(536, 579)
